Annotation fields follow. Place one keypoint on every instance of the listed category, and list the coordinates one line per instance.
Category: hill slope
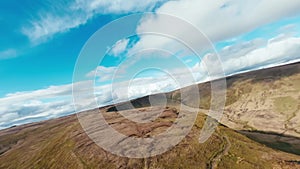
(61, 143)
(261, 105)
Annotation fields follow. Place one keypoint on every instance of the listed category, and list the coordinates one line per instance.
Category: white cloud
(61, 18)
(253, 55)
(141, 87)
(279, 51)
(7, 54)
(55, 101)
(29, 106)
(218, 20)
(48, 25)
(103, 73)
(49, 92)
(243, 57)
(119, 47)
(116, 6)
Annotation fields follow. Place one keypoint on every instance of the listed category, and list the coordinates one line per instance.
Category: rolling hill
(260, 129)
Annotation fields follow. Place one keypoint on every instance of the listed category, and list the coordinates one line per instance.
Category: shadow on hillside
(266, 75)
(141, 103)
(273, 140)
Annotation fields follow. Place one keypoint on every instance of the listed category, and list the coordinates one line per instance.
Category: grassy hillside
(262, 107)
(61, 143)
(263, 104)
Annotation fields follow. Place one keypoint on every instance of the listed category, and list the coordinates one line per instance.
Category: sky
(42, 40)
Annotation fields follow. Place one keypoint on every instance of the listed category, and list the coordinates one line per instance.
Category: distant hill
(260, 129)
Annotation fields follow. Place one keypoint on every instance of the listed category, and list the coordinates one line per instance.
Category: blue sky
(34, 66)
(41, 41)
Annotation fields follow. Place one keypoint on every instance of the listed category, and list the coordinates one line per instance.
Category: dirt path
(214, 162)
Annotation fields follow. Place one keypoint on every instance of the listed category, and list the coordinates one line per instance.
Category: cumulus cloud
(42, 93)
(30, 106)
(218, 20)
(62, 17)
(139, 87)
(120, 47)
(252, 55)
(103, 73)
(277, 52)
(56, 101)
(21, 107)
